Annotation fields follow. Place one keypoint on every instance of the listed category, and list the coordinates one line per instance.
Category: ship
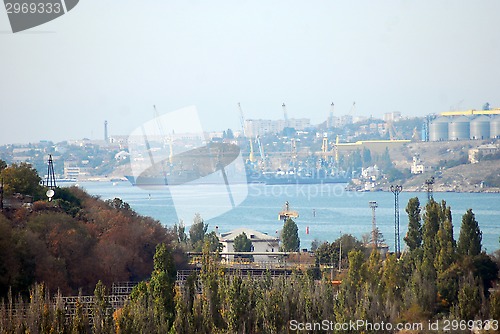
(267, 178)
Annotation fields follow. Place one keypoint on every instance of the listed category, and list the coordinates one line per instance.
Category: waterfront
(326, 210)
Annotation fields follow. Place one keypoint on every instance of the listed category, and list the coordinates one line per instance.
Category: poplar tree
(290, 236)
(469, 241)
(413, 238)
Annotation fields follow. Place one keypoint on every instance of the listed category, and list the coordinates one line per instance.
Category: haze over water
(327, 210)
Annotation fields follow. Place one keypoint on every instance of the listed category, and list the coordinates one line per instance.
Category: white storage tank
(480, 127)
(495, 127)
(438, 129)
(459, 128)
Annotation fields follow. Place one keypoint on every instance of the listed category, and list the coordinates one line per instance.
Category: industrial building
(465, 125)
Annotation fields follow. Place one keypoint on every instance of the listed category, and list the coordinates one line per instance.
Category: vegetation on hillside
(78, 241)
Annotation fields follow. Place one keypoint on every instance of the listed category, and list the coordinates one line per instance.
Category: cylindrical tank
(438, 129)
(495, 127)
(459, 128)
(480, 127)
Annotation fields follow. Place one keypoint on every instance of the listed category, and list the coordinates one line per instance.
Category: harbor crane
(251, 156)
(261, 152)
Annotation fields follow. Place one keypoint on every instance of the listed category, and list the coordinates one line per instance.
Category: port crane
(261, 152)
(251, 156)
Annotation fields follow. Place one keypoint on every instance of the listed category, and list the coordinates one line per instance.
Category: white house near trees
(261, 243)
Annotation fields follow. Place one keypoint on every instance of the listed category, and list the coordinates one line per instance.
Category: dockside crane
(261, 152)
(251, 156)
(324, 148)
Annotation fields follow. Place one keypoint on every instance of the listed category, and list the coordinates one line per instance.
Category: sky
(114, 60)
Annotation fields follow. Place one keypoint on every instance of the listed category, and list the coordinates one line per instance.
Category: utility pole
(373, 205)
(340, 252)
(396, 189)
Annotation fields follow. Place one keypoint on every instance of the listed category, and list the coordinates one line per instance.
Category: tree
(197, 232)
(213, 242)
(469, 241)
(367, 157)
(290, 241)
(243, 244)
(23, 179)
(430, 230)
(3, 165)
(413, 238)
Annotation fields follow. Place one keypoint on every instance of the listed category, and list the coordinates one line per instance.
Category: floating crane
(287, 213)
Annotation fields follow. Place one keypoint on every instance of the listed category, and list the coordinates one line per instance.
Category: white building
(259, 127)
(391, 117)
(371, 173)
(261, 243)
(418, 166)
(71, 170)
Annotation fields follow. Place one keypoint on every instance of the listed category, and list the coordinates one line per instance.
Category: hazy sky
(112, 60)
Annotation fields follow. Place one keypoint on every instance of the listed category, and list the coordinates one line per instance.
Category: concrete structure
(495, 127)
(459, 128)
(438, 129)
(480, 127)
(261, 243)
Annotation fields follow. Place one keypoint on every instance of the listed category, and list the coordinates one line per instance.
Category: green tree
(367, 157)
(3, 165)
(243, 244)
(23, 179)
(162, 287)
(430, 230)
(290, 241)
(213, 241)
(197, 232)
(469, 241)
(102, 322)
(413, 238)
(470, 298)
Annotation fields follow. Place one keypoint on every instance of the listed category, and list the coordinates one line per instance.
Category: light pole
(396, 189)
(373, 205)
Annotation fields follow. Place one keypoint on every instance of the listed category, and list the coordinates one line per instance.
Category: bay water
(325, 211)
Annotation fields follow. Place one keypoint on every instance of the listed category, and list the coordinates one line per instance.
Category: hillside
(450, 167)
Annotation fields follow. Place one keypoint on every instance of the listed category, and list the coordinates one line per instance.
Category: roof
(251, 234)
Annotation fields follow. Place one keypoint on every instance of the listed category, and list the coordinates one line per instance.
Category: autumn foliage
(74, 241)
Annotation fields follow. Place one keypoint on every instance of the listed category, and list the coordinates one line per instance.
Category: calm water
(326, 210)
